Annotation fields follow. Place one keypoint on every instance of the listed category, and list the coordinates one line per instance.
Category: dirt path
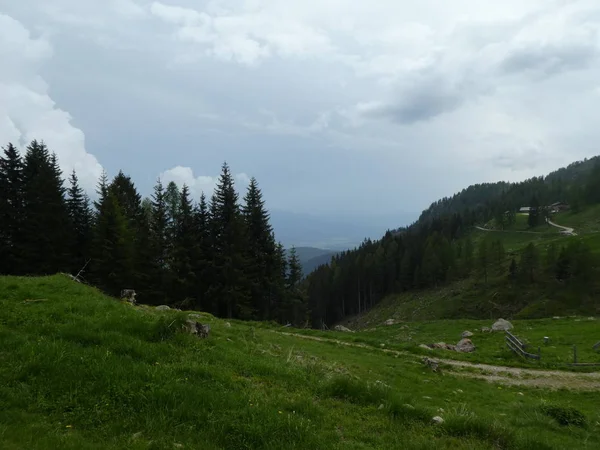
(567, 230)
(510, 376)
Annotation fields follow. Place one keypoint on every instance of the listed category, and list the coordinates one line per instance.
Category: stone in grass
(466, 334)
(437, 420)
(163, 308)
(342, 329)
(193, 327)
(465, 346)
(502, 325)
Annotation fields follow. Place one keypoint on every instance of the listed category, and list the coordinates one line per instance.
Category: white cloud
(27, 111)
(247, 37)
(202, 183)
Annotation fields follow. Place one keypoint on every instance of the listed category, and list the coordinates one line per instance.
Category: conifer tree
(46, 235)
(204, 256)
(184, 249)
(113, 250)
(230, 285)
(260, 250)
(294, 307)
(11, 211)
(483, 259)
(80, 216)
(529, 263)
(159, 246)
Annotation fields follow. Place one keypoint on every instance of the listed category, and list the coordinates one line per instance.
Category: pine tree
(46, 235)
(203, 261)
(483, 259)
(184, 249)
(112, 248)
(261, 250)
(279, 291)
(294, 308)
(529, 263)
(534, 213)
(11, 211)
(513, 270)
(159, 247)
(230, 285)
(80, 216)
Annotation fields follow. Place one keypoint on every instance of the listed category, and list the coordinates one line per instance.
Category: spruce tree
(261, 250)
(46, 234)
(11, 211)
(80, 217)
(159, 246)
(112, 248)
(202, 265)
(483, 259)
(294, 307)
(230, 285)
(184, 249)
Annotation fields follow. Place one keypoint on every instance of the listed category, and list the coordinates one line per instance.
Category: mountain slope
(451, 243)
(83, 371)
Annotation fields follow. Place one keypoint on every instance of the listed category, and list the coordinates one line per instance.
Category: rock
(163, 308)
(486, 329)
(425, 347)
(444, 346)
(502, 325)
(227, 325)
(193, 327)
(129, 295)
(343, 329)
(437, 420)
(432, 363)
(466, 334)
(390, 322)
(381, 406)
(465, 346)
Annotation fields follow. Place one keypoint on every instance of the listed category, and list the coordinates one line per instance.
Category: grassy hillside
(83, 371)
(473, 298)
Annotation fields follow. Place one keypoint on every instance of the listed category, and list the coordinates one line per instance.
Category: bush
(565, 415)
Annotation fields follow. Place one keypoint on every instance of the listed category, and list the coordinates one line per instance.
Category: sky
(336, 107)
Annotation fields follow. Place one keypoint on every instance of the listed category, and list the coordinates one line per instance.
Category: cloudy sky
(335, 106)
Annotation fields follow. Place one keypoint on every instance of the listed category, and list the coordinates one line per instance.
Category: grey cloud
(422, 101)
(550, 59)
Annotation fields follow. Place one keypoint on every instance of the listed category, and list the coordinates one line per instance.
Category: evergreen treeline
(219, 255)
(438, 249)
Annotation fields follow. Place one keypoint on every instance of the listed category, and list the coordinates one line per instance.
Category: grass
(79, 370)
(563, 334)
(584, 222)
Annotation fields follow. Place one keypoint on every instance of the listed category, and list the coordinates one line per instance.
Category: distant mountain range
(335, 232)
(311, 257)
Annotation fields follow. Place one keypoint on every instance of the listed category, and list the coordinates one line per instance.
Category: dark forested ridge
(219, 255)
(439, 248)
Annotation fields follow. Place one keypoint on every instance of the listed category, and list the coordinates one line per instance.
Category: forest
(216, 254)
(439, 249)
